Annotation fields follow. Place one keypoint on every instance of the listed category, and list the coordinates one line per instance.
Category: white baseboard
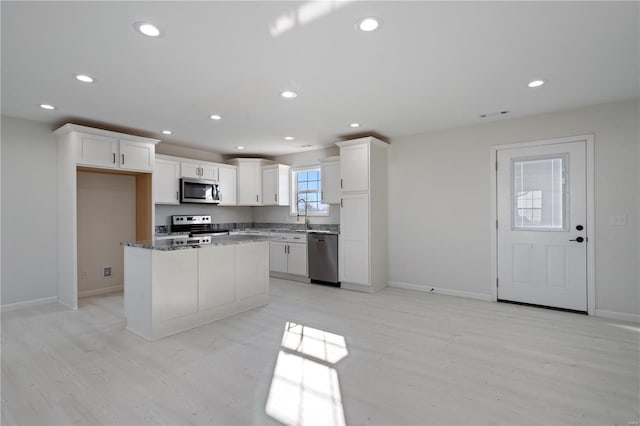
(358, 287)
(440, 290)
(27, 303)
(621, 316)
(101, 291)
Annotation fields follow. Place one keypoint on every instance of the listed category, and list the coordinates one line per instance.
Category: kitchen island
(170, 288)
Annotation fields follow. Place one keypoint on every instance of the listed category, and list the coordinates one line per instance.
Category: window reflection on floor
(315, 343)
(305, 389)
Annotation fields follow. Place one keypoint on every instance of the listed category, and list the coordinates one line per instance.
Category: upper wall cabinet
(227, 181)
(110, 150)
(330, 174)
(249, 180)
(166, 174)
(275, 185)
(354, 167)
(199, 170)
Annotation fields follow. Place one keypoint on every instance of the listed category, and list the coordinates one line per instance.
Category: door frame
(590, 186)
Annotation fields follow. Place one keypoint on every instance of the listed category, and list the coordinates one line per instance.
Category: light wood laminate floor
(394, 357)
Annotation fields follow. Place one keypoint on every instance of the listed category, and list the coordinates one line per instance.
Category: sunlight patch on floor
(305, 389)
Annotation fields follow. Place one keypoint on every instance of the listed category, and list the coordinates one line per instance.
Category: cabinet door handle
(276, 198)
(122, 159)
(114, 158)
(256, 198)
(285, 249)
(341, 204)
(340, 183)
(321, 195)
(177, 196)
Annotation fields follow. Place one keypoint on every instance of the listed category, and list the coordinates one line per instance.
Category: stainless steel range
(200, 228)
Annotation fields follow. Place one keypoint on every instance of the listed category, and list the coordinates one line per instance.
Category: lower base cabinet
(166, 292)
(288, 255)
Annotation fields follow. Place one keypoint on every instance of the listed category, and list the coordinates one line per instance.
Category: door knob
(579, 239)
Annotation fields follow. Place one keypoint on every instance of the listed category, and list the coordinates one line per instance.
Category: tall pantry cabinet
(363, 214)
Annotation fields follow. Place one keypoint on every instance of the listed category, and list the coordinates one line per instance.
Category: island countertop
(171, 245)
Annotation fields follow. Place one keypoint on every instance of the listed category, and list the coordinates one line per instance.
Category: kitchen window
(306, 185)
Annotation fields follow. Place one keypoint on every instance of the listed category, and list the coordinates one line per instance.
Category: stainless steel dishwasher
(323, 258)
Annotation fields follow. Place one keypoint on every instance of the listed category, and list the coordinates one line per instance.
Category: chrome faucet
(307, 222)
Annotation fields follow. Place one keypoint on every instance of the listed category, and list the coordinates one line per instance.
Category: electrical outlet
(106, 272)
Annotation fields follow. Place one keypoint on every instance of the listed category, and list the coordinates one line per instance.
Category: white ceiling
(431, 65)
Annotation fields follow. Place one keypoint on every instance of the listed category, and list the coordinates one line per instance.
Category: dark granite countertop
(170, 245)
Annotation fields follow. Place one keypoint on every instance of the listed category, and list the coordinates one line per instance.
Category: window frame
(293, 180)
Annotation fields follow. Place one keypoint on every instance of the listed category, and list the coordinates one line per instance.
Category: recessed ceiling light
(47, 106)
(147, 29)
(536, 83)
(354, 125)
(84, 78)
(240, 147)
(288, 94)
(289, 138)
(368, 24)
(167, 132)
(215, 117)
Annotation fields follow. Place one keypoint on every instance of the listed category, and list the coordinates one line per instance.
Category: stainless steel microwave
(199, 191)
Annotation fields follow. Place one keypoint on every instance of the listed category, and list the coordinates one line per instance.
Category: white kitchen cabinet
(198, 170)
(98, 150)
(136, 155)
(275, 185)
(166, 181)
(227, 182)
(330, 175)
(249, 180)
(354, 239)
(115, 152)
(278, 256)
(297, 262)
(288, 255)
(354, 167)
(363, 214)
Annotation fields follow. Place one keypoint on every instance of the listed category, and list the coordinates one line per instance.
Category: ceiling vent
(494, 114)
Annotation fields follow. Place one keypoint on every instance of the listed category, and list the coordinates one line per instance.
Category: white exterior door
(542, 225)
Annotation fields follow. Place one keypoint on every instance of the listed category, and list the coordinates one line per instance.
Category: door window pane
(538, 194)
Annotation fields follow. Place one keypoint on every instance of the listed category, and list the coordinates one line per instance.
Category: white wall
(29, 253)
(106, 217)
(439, 210)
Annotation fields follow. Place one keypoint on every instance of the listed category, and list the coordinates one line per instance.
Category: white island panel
(168, 291)
(217, 276)
(175, 284)
(252, 274)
